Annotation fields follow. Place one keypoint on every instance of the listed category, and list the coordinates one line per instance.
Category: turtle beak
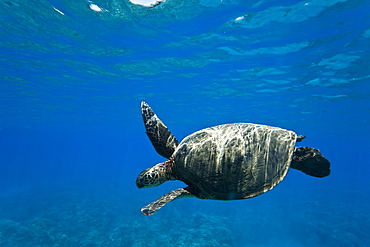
(140, 183)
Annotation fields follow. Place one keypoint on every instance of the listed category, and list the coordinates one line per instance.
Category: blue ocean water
(72, 141)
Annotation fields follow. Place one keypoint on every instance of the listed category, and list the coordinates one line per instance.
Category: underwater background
(72, 141)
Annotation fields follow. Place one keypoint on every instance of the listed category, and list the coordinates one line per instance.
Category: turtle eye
(153, 175)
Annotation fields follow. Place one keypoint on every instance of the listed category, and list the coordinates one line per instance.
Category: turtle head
(149, 178)
(155, 175)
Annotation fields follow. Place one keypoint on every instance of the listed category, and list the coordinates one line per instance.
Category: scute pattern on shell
(234, 161)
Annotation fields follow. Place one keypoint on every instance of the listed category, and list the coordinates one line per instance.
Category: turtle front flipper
(162, 139)
(173, 195)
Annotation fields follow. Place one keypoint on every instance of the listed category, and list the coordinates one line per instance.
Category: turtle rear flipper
(169, 197)
(310, 161)
(162, 139)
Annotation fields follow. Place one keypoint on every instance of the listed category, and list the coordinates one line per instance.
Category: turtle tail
(310, 161)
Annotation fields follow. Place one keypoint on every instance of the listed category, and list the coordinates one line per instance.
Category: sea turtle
(225, 162)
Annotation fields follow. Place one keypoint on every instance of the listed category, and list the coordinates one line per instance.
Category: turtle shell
(234, 161)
